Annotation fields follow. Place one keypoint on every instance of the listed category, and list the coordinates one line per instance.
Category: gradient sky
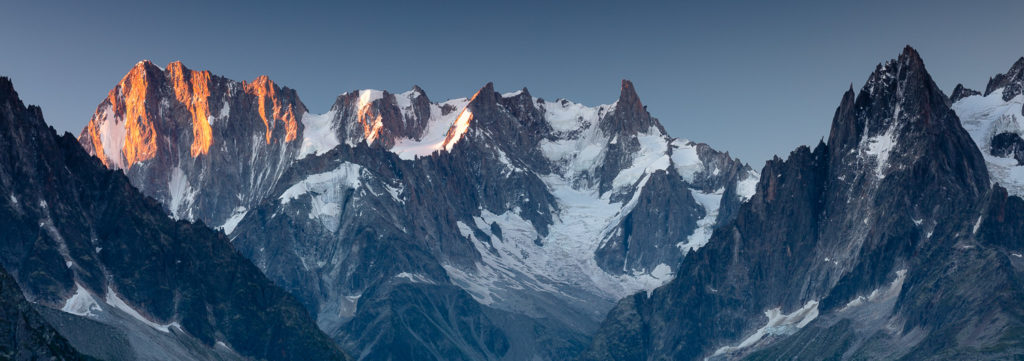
(756, 78)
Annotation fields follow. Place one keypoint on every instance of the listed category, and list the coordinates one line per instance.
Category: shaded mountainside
(888, 242)
(80, 238)
(517, 221)
(24, 334)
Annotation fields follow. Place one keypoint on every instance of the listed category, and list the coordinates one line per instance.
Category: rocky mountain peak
(628, 99)
(1012, 82)
(149, 103)
(629, 115)
(960, 92)
(417, 91)
(485, 99)
(899, 101)
(134, 101)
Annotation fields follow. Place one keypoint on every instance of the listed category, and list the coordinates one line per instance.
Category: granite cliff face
(176, 131)
(500, 226)
(80, 239)
(886, 242)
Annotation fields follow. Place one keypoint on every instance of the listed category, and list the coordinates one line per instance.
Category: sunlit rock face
(175, 130)
(523, 219)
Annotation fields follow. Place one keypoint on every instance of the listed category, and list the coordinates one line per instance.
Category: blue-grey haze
(756, 78)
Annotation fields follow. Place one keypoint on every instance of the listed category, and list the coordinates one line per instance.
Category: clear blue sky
(755, 78)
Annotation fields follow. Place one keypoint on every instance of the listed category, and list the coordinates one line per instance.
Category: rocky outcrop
(1008, 145)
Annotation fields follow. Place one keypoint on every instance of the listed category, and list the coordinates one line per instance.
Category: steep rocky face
(177, 131)
(510, 212)
(79, 238)
(25, 334)
(845, 250)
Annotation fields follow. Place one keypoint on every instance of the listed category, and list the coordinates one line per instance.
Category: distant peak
(628, 96)
(485, 98)
(960, 92)
(907, 69)
(145, 67)
(1012, 82)
(629, 115)
(911, 54)
(176, 65)
(486, 90)
(144, 62)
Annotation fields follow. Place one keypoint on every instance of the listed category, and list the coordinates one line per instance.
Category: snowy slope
(986, 116)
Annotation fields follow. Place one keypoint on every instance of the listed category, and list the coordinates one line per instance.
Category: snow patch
(684, 157)
(879, 294)
(778, 324)
(318, 134)
(232, 222)
(368, 96)
(346, 175)
(112, 135)
(326, 192)
(986, 116)
(118, 303)
(746, 187)
(702, 234)
(414, 277)
(566, 116)
(181, 192)
(434, 135)
(652, 157)
(82, 303)
(879, 147)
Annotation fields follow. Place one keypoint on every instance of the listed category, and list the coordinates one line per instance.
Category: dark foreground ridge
(73, 228)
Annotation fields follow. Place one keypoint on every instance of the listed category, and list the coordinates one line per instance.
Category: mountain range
(503, 226)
